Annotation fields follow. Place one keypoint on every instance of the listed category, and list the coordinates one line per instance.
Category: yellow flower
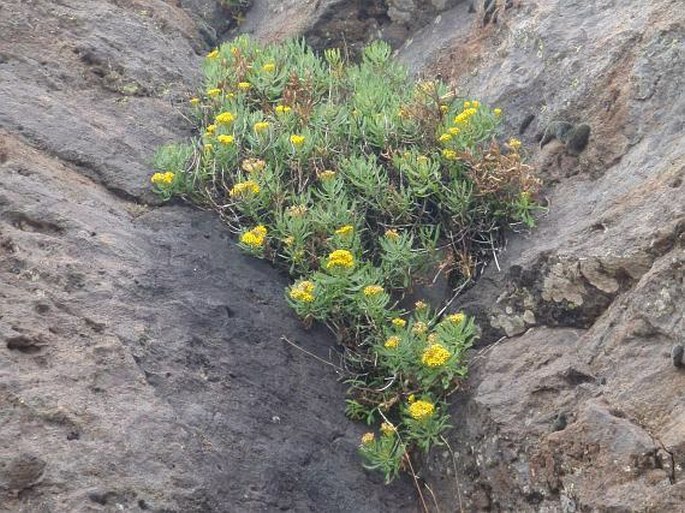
(282, 109)
(398, 322)
(449, 154)
(253, 165)
(261, 126)
(426, 87)
(445, 137)
(419, 328)
(421, 410)
(225, 118)
(269, 67)
(464, 117)
(392, 342)
(411, 398)
(289, 240)
(388, 429)
(340, 258)
(454, 130)
(254, 238)
(432, 338)
(420, 305)
(497, 112)
(475, 104)
(210, 129)
(326, 175)
(368, 438)
(244, 86)
(467, 104)
(208, 147)
(213, 92)
(514, 143)
(297, 210)
(391, 234)
(403, 112)
(372, 290)
(344, 231)
(244, 188)
(194, 101)
(303, 291)
(435, 355)
(456, 318)
(444, 109)
(297, 140)
(162, 179)
(213, 54)
(235, 51)
(225, 139)
(423, 160)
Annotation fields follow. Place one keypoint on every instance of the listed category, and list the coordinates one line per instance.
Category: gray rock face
(593, 296)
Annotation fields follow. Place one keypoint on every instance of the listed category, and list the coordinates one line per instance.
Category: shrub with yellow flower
(303, 291)
(163, 179)
(261, 126)
(421, 410)
(297, 140)
(225, 118)
(372, 290)
(392, 342)
(242, 189)
(254, 238)
(340, 258)
(344, 231)
(225, 139)
(398, 322)
(435, 355)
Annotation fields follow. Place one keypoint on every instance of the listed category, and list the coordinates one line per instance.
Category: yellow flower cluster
(392, 234)
(210, 130)
(225, 118)
(497, 112)
(269, 67)
(514, 143)
(392, 342)
(421, 410)
(464, 117)
(253, 165)
(162, 179)
(340, 258)
(419, 328)
(326, 175)
(261, 126)
(449, 154)
(387, 429)
(282, 109)
(225, 139)
(445, 137)
(303, 291)
(244, 86)
(208, 147)
(297, 140)
(372, 290)
(213, 92)
(194, 101)
(420, 305)
(297, 210)
(398, 322)
(254, 238)
(456, 318)
(344, 231)
(213, 55)
(244, 188)
(435, 355)
(368, 438)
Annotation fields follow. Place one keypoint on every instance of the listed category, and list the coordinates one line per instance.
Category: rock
(21, 472)
(677, 355)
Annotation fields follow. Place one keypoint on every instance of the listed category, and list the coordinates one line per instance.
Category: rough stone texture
(141, 365)
(582, 410)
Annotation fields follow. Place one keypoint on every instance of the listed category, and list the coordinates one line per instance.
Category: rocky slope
(141, 366)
